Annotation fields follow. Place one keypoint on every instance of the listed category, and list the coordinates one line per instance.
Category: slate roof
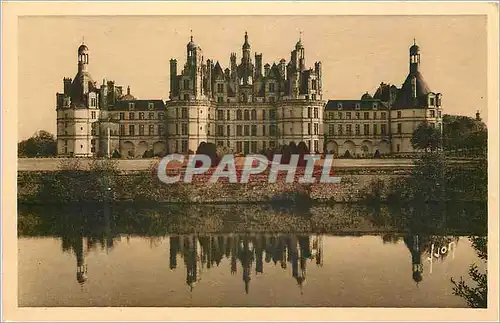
(404, 97)
(140, 105)
(350, 105)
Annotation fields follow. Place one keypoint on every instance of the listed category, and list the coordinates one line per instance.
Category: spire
(191, 32)
(246, 45)
(128, 90)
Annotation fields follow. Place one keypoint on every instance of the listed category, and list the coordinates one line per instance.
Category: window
(263, 130)
(340, 115)
(184, 114)
(220, 87)
(184, 146)
(398, 147)
(383, 130)
(186, 97)
(383, 115)
(228, 115)
(93, 114)
(348, 115)
(339, 105)
(141, 130)
(186, 84)
(184, 129)
(254, 114)
(316, 145)
(432, 113)
(271, 87)
(272, 130)
(176, 128)
(141, 115)
(220, 130)
(246, 130)
(263, 114)
(375, 115)
(309, 112)
(316, 115)
(348, 129)
(220, 143)
(151, 106)
(366, 115)
(131, 106)
(439, 114)
(161, 131)
(316, 128)
(246, 115)
(313, 84)
(239, 130)
(272, 114)
(131, 116)
(375, 129)
(358, 115)
(433, 125)
(308, 128)
(131, 130)
(239, 146)
(399, 127)
(151, 116)
(366, 129)
(253, 146)
(160, 116)
(254, 130)
(238, 115)
(431, 102)
(220, 99)
(264, 146)
(122, 130)
(228, 131)
(151, 131)
(399, 114)
(357, 129)
(220, 115)
(339, 130)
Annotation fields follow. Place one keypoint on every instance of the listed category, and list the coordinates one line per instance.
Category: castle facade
(246, 108)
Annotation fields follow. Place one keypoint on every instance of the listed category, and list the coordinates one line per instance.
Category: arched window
(238, 115)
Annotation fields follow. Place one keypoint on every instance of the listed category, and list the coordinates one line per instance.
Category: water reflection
(211, 243)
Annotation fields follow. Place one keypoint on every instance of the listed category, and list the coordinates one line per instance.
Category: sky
(357, 53)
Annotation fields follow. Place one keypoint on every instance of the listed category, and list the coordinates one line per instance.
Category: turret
(83, 58)
(414, 58)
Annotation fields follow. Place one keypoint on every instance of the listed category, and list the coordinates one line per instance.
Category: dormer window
(151, 106)
(131, 106)
(431, 102)
(375, 105)
(339, 105)
(357, 106)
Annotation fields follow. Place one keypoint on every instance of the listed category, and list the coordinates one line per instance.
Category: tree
(462, 133)
(426, 138)
(208, 149)
(41, 144)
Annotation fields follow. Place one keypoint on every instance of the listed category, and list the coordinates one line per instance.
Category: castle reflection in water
(248, 252)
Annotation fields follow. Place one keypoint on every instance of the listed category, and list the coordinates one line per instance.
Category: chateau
(247, 107)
